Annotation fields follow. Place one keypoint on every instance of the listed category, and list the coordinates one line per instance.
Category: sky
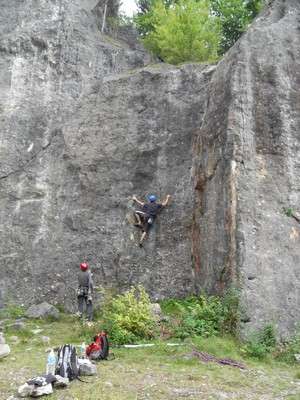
(128, 7)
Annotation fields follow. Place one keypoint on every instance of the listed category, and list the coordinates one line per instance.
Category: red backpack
(99, 349)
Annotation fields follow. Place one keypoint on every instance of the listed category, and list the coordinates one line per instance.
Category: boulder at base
(25, 390)
(42, 390)
(34, 391)
(2, 340)
(42, 310)
(4, 348)
(86, 367)
(156, 311)
(61, 382)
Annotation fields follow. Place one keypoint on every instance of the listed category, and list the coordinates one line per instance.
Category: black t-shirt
(152, 209)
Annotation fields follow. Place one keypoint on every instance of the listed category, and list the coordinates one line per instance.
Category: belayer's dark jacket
(85, 280)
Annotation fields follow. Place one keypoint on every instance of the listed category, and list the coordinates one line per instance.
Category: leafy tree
(144, 19)
(145, 5)
(235, 16)
(184, 31)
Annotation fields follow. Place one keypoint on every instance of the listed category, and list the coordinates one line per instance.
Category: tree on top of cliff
(235, 16)
(145, 17)
(185, 31)
(155, 16)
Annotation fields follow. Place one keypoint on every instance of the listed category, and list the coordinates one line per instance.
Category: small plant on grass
(286, 352)
(261, 344)
(204, 315)
(128, 317)
(12, 311)
(231, 311)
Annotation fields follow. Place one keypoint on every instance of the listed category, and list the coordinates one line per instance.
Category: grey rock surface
(25, 390)
(156, 311)
(42, 390)
(85, 124)
(86, 367)
(84, 130)
(4, 350)
(18, 325)
(247, 169)
(61, 382)
(2, 339)
(42, 310)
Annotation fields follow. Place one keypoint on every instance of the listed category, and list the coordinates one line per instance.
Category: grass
(159, 372)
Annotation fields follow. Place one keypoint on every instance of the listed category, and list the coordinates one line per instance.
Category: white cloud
(128, 7)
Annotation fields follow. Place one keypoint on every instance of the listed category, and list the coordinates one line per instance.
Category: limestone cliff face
(85, 123)
(84, 127)
(247, 170)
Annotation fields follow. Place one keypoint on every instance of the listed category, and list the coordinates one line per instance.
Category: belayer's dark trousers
(83, 302)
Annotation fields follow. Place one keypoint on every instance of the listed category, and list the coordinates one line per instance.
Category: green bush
(12, 311)
(203, 316)
(286, 352)
(128, 318)
(255, 349)
(261, 344)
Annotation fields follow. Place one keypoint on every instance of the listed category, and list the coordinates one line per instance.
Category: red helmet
(84, 266)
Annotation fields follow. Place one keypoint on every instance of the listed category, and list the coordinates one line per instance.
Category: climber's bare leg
(138, 218)
(142, 238)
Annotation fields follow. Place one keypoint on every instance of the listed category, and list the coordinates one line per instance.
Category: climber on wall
(146, 216)
(85, 291)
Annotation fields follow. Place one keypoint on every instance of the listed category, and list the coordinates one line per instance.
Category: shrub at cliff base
(261, 343)
(288, 351)
(128, 317)
(203, 316)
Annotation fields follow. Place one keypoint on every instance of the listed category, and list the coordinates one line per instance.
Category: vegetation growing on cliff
(193, 30)
(185, 31)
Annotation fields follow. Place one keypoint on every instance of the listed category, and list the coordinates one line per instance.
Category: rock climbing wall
(89, 119)
(84, 127)
(247, 171)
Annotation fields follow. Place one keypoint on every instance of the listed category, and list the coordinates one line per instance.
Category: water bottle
(51, 362)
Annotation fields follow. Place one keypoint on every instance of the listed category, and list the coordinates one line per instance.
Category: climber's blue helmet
(152, 198)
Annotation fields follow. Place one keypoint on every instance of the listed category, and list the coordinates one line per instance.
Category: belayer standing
(146, 216)
(85, 291)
